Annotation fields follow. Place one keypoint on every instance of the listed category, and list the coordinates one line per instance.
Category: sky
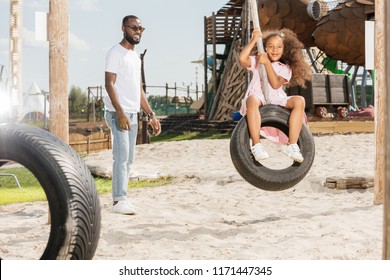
(173, 38)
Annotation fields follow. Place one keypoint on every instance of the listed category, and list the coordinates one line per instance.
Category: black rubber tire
(259, 175)
(68, 184)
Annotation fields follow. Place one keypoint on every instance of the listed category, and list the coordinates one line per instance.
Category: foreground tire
(68, 184)
(259, 175)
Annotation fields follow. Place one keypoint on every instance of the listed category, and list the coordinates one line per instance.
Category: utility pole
(58, 29)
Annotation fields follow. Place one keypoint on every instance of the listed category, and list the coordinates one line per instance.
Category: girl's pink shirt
(276, 96)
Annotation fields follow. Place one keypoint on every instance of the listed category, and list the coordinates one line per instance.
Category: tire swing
(68, 184)
(259, 175)
(273, 116)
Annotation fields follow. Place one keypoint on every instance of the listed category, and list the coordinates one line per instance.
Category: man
(125, 97)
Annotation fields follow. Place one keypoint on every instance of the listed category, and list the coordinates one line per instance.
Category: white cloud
(87, 5)
(3, 42)
(29, 39)
(77, 43)
(37, 4)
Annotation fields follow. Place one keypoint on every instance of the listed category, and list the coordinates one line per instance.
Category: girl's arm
(274, 80)
(245, 53)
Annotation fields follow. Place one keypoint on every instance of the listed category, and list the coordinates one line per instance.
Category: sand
(211, 212)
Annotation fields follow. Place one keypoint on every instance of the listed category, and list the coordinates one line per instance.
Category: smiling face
(274, 48)
(132, 31)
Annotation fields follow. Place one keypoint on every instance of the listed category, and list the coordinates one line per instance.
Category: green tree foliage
(77, 100)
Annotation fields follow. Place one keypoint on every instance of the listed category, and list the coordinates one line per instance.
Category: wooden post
(385, 38)
(88, 145)
(215, 78)
(88, 101)
(58, 28)
(15, 57)
(206, 87)
(144, 124)
(379, 101)
(166, 99)
(175, 96)
(188, 98)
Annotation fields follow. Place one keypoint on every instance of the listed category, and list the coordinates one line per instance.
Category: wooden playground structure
(231, 27)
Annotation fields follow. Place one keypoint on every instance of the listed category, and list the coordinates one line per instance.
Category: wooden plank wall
(94, 142)
(330, 127)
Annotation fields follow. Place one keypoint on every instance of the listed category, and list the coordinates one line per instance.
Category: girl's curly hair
(292, 55)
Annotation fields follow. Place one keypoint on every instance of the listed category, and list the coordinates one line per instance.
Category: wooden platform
(345, 126)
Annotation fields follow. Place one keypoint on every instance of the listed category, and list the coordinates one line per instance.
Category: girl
(285, 64)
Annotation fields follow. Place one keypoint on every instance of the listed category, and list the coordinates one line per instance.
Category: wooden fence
(99, 141)
(94, 142)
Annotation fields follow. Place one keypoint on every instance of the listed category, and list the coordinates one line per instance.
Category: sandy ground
(211, 212)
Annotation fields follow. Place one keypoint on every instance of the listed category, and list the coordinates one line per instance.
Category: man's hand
(124, 122)
(155, 123)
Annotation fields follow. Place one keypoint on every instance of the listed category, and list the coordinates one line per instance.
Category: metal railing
(172, 100)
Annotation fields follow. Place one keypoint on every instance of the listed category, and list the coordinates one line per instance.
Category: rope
(260, 49)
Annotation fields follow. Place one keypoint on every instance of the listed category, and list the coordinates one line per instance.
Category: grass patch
(103, 185)
(31, 189)
(164, 137)
(10, 195)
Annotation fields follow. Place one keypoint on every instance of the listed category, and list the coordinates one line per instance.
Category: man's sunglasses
(136, 28)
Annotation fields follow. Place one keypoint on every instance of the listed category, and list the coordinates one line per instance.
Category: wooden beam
(58, 28)
(379, 100)
(384, 36)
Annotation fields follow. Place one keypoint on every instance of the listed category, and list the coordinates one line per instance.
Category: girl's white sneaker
(293, 152)
(258, 152)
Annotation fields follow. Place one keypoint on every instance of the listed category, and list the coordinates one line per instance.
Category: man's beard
(131, 40)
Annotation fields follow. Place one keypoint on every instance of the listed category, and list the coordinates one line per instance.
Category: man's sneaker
(293, 152)
(123, 207)
(258, 152)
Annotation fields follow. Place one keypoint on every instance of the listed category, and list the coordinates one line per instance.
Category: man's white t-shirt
(126, 64)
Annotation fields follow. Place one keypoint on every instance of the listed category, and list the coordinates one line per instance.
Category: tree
(77, 100)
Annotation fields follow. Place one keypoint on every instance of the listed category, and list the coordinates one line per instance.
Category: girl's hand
(263, 58)
(256, 34)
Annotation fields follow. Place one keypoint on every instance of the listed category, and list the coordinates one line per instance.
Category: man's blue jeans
(123, 149)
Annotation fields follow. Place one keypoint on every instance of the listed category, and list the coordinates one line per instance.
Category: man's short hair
(126, 18)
